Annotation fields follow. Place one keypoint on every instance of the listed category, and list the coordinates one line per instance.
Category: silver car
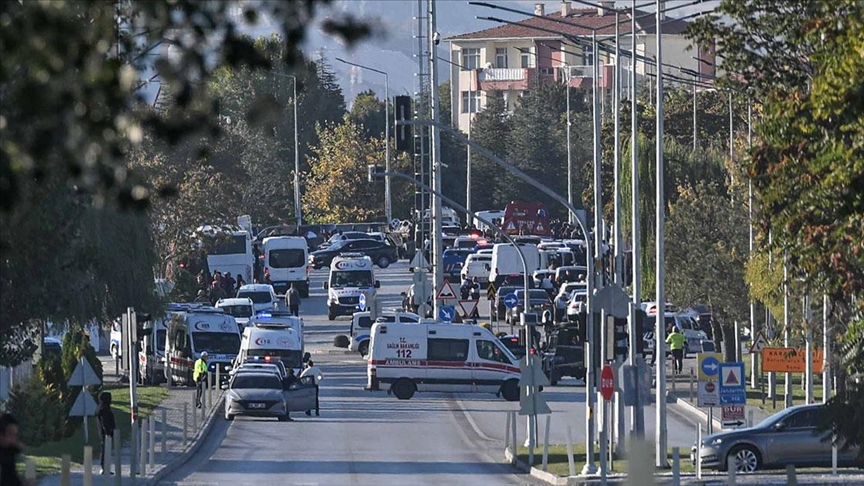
(787, 437)
(257, 394)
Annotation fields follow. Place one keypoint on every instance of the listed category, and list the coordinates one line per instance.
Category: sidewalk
(175, 452)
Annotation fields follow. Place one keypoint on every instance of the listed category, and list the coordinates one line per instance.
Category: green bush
(39, 410)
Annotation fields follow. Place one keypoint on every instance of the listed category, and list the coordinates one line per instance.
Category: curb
(544, 476)
(693, 410)
(195, 444)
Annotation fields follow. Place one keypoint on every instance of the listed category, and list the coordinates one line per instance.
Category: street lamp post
(297, 210)
(388, 201)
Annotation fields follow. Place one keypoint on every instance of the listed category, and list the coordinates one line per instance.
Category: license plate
(256, 405)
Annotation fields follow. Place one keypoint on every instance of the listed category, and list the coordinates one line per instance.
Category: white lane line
(471, 421)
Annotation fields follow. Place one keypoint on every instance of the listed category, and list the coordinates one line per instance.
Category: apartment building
(512, 58)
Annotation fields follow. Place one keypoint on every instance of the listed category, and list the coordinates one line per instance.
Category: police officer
(676, 344)
(199, 374)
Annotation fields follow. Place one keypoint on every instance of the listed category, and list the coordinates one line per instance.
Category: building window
(470, 101)
(501, 57)
(526, 60)
(470, 59)
(587, 56)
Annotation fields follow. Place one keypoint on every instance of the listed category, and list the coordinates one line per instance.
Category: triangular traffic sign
(84, 375)
(446, 292)
(732, 378)
(510, 226)
(419, 261)
(534, 404)
(468, 307)
(84, 405)
(758, 344)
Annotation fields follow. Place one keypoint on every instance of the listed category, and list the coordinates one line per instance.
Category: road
(371, 438)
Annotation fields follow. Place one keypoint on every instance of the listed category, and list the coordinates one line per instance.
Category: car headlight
(716, 442)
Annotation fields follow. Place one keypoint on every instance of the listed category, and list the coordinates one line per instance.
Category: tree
(491, 129)
(706, 248)
(368, 112)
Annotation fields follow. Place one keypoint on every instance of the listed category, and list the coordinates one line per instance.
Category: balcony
(504, 79)
(581, 76)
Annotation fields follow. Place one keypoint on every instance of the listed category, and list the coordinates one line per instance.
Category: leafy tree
(368, 112)
(491, 129)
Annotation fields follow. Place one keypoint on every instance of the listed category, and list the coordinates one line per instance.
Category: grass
(47, 456)
(559, 465)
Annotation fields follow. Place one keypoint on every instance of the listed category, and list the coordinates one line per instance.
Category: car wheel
(403, 389)
(383, 262)
(364, 349)
(746, 459)
(510, 390)
(229, 417)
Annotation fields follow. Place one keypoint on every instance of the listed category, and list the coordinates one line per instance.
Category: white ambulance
(351, 276)
(274, 338)
(432, 356)
(191, 331)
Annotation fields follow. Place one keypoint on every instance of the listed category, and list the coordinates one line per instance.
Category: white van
(361, 327)
(263, 296)
(406, 358)
(488, 216)
(283, 318)
(506, 261)
(274, 339)
(351, 275)
(477, 265)
(239, 308)
(287, 258)
(151, 355)
(194, 330)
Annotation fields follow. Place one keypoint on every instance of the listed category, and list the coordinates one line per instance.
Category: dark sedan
(381, 254)
(539, 303)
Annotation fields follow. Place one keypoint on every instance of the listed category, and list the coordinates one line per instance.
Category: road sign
(511, 301)
(490, 291)
(732, 384)
(419, 261)
(790, 360)
(361, 302)
(707, 394)
(84, 375)
(758, 344)
(709, 365)
(468, 307)
(628, 383)
(607, 383)
(84, 405)
(446, 292)
(532, 376)
(732, 416)
(447, 313)
(532, 373)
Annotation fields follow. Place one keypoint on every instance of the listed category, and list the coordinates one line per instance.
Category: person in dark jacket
(10, 447)
(105, 416)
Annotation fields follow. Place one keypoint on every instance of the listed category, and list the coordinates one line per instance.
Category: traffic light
(404, 133)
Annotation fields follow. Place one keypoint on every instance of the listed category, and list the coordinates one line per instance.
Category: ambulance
(193, 330)
(273, 338)
(151, 355)
(281, 318)
(440, 357)
(351, 276)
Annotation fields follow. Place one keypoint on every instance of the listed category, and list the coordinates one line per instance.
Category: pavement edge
(694, 411)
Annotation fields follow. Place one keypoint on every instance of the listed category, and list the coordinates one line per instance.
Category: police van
(277, 337)
(351, 276)
(193, 329)
(440, 357)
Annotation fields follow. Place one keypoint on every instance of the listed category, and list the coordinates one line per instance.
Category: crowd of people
(218, 286)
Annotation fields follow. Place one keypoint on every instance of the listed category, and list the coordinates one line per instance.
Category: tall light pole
(388, 201)
(616, 107)
(437, 242)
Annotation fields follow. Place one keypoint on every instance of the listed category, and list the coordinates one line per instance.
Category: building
(511, 58)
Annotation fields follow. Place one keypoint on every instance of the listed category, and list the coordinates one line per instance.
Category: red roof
(584, 17)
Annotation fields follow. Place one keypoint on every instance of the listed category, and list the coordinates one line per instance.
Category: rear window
(256, 381)
(257, 297)
(287, 258)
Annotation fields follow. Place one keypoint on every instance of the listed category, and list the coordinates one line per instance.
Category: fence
(9, 377)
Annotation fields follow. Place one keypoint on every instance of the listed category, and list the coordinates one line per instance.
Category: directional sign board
(758, 344)
(790, 360)
(447, 313)
(732, 384)
(709, 365)
(511, 301)
(446, 292)
(733, 416)
(361, 302)
(708, 394)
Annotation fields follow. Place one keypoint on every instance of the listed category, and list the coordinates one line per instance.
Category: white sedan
(576, 305)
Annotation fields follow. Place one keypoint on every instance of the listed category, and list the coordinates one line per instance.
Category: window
(256, 297)
(587, 56)
(526, 60)
(228, 245)
(489, 351)
(408, 319)
(287, 258)
(470, 101)
(501, 57)
(447, 350)
(470, 59)
(803, 419)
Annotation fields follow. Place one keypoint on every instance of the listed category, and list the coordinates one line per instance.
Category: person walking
(267, 280)
(199, 375)
(240, 283)
(105, 417)
(675, 340)
(292, 300)
(10, 447)
(316, 376)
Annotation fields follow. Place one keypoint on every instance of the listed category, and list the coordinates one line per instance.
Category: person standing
(675, 340)
(10, 447)
(316, 376)
(105, 417)
(240, 283)
(199, 375)
(292, 300)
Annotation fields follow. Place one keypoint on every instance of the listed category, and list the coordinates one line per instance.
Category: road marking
(471, 421)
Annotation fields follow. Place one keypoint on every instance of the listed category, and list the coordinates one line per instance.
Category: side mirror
(377, 284)
(224, 386)
(325, 285)
(306, 357)
(779, 427)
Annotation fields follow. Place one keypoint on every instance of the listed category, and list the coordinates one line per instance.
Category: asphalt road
(371, 438)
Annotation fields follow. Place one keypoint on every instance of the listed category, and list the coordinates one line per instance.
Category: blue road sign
(361, 302)
(447, 313)
(511, 301)
(732, 383)
(710, 366)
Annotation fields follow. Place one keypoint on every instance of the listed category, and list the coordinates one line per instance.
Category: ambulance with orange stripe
(405, 358)
(193, 330)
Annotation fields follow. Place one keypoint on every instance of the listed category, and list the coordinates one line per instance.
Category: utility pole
(753, 361)
(616, 107)
(469, 215)
(437, 243)
(297, 207)
(787, 331)
(660, 332)
(569, 149)
(826, 352)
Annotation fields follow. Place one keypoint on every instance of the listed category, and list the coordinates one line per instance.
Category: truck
(287, 259)
(526, 218)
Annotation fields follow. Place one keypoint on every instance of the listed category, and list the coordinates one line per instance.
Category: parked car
(499, 309)
(788, 437)
(563, 297)
(538, 303)
(381, 254)
(343, 236)
(511, 342)
(564, 354)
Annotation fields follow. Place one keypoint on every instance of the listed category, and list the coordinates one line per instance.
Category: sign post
(708, 391)
(732, 383)
(84, 405)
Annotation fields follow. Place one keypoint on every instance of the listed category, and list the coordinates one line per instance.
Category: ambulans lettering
(402, 362)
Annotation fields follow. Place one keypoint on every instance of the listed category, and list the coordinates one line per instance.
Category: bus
(231, 252)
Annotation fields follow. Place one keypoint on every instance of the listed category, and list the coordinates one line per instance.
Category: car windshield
(351, 278)
(237, 310)
(246, 382)
(291, 357)
(257, 297)
(287, 258)
(216, 342)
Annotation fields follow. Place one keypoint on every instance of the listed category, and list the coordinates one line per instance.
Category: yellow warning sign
(490, 292)
(790, 360)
